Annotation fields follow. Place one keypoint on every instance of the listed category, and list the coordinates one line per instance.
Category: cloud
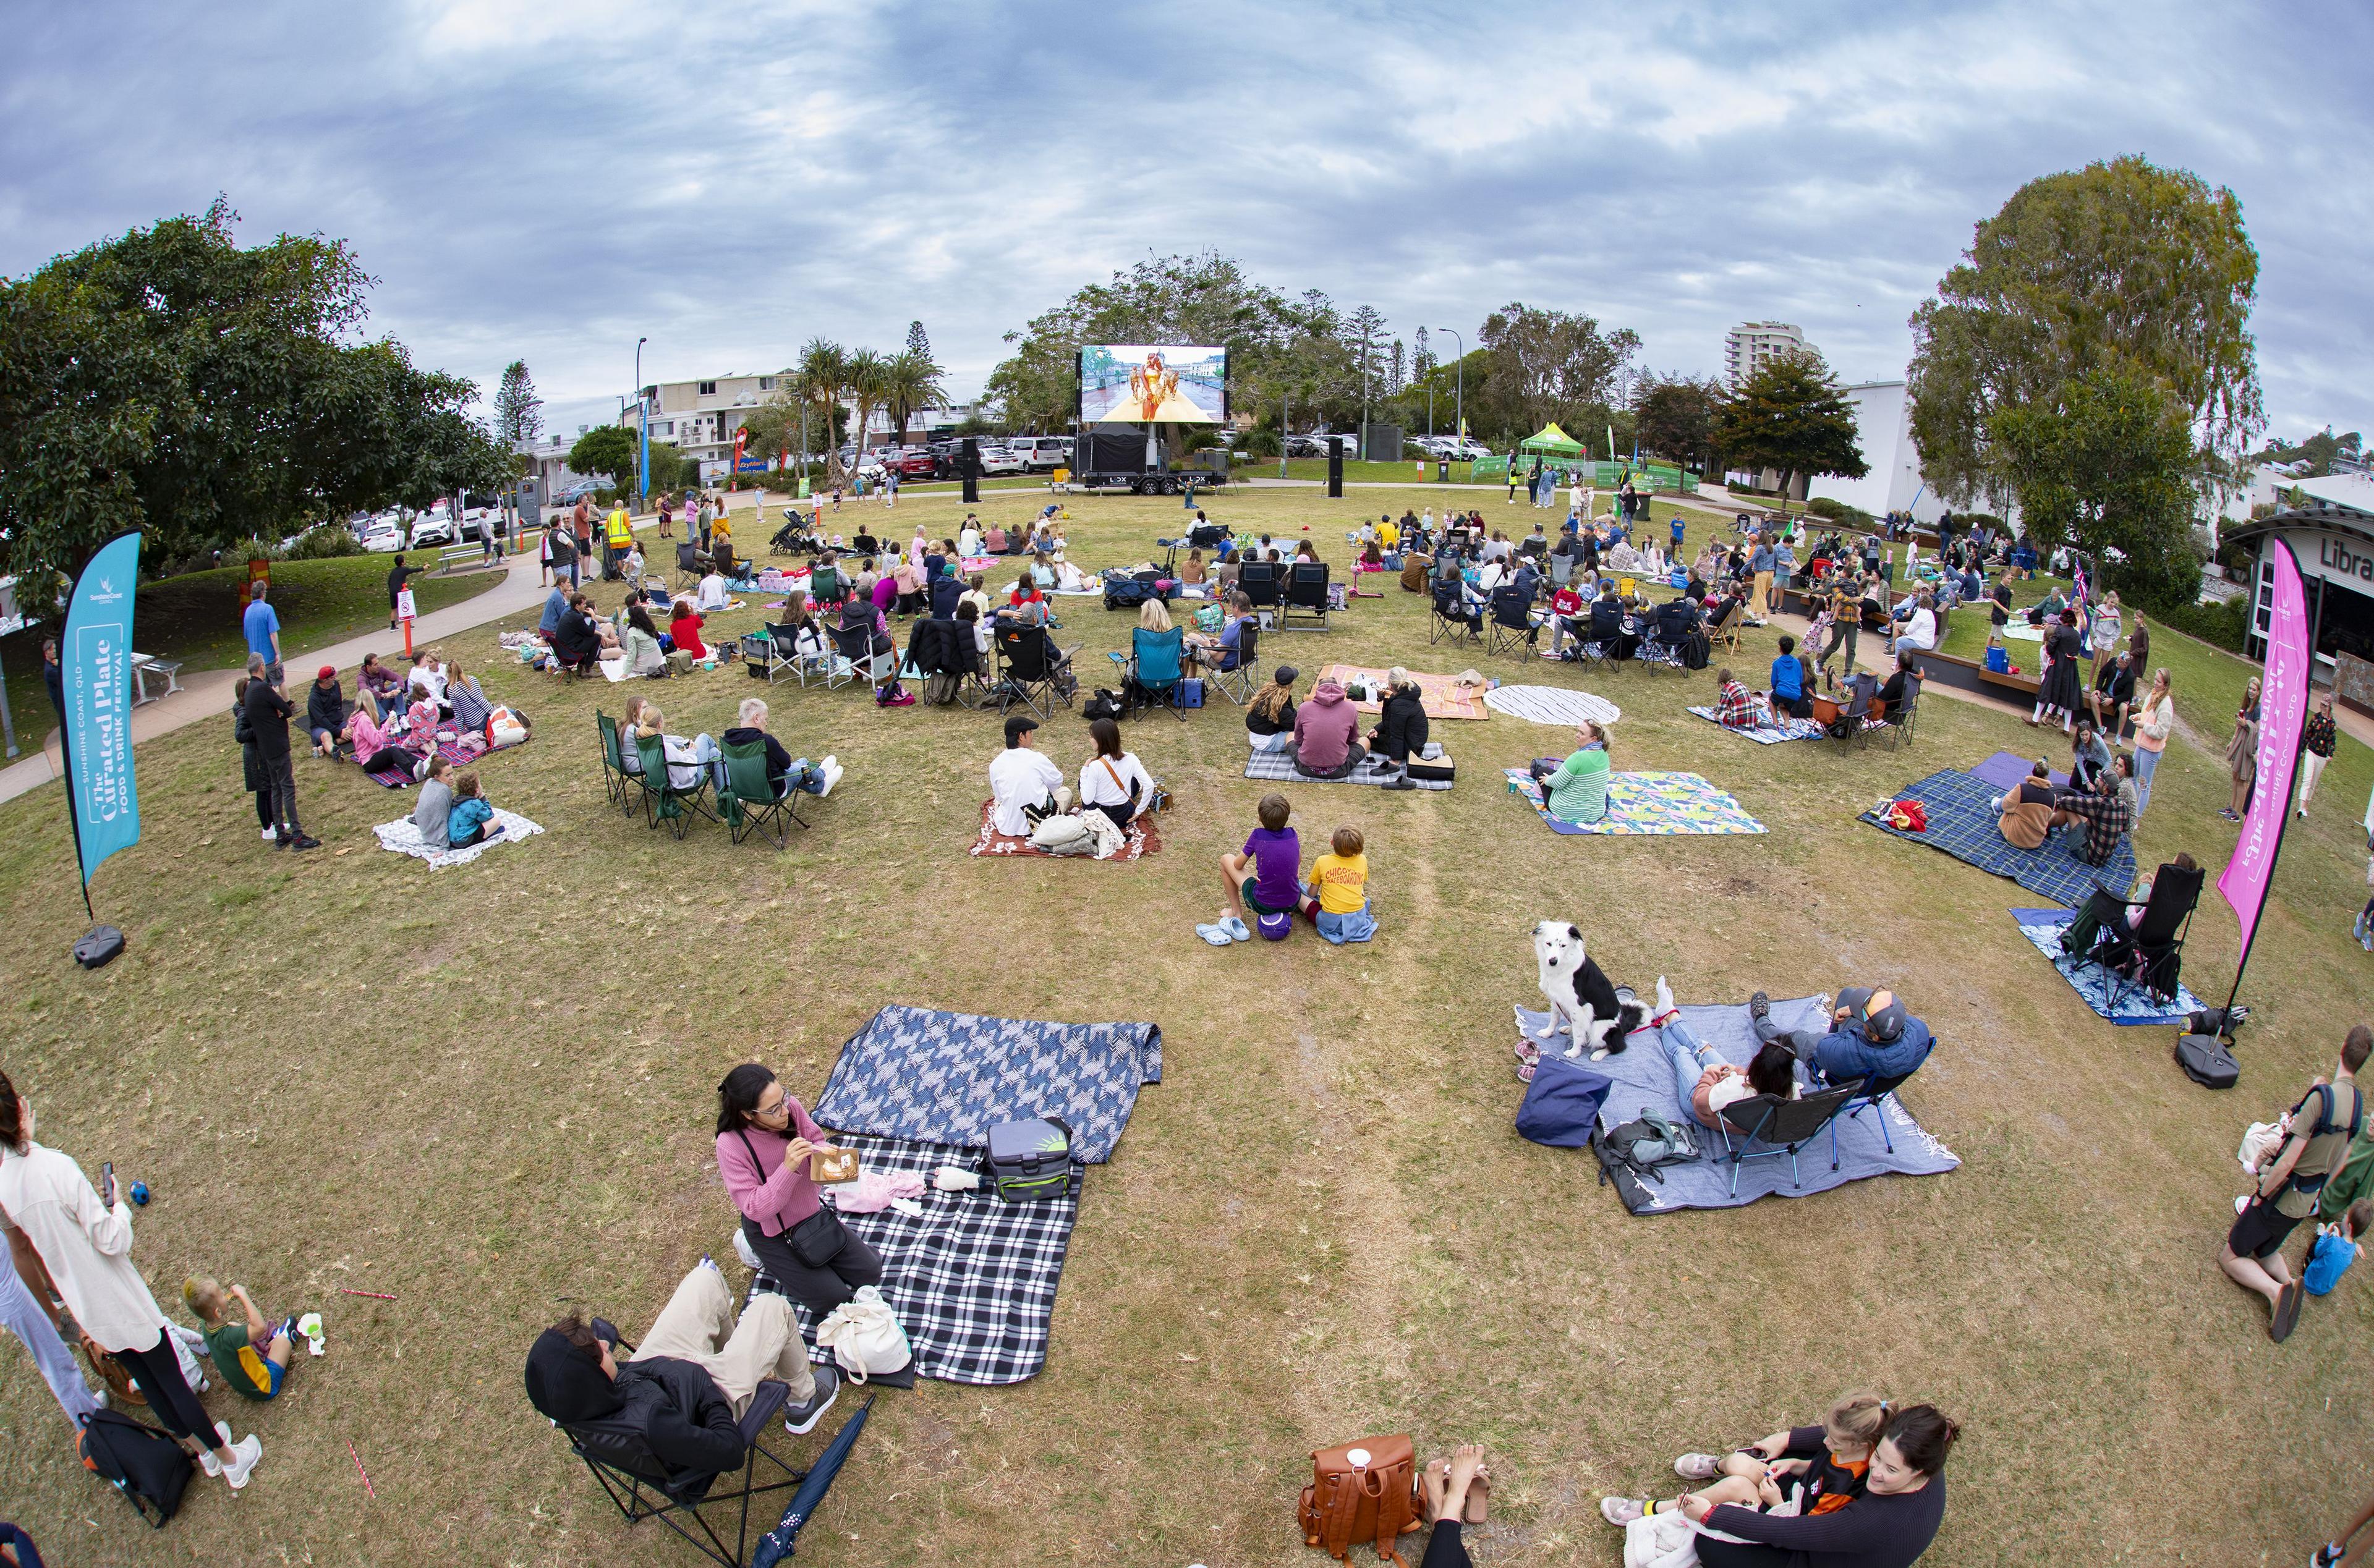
(552, 181)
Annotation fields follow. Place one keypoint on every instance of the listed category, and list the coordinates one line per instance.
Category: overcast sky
(550, 182)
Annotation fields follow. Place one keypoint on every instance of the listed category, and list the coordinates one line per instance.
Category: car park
(384, 534)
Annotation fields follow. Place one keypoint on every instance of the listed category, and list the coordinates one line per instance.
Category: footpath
(207, 695)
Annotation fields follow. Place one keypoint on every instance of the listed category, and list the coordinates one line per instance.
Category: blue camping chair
(1151, 670)
(1765, 1127)
(1868, 1098)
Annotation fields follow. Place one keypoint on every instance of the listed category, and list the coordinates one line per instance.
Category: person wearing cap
(326, 712)
(1871, 1035)
(1024, 785)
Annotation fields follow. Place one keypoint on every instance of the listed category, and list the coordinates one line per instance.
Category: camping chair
(2150, 956)
(622, 1460)
(1844, 723)
(1903, 716)
(666, 801)
(943, 650)
(617, 786)
(1237, 682)
(1451, 617)
(852, 653)
(1305, 595)
(1868, 1098)
(1510, 626)
(1258, 582)
(782, 656)
(1723, 633)
(1766, 1126)
(825, 585)
(1031, 669)
(1150, 670)
(749, 801)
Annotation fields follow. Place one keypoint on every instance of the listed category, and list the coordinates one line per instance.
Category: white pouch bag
(1065, 835)
(864, 1336)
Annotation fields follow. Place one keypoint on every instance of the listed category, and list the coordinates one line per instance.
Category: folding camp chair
(2150, 956)
(945, 650)
(1236, 682)
(1452, 618)
(667, 800)
(1306, 596)
(1150, 670)
(1032, 671)
(826, 587)
(750, 803)
(1258, 582)
(642, 1487)
(782, 656)
(1510, 626)
(1844, 722)
(617, 784)
(852, 655)
(1867, 1098)
(1723, 632)
(1903, 716)
(1760, 1127)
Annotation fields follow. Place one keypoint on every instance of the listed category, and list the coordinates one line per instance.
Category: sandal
(1479, 1498)
(1237, 929)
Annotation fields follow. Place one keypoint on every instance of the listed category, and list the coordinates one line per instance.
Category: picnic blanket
(1438, 694)
(448, 746)
(1145, 838)
(2092, 984)
(1551, 705)
(949, 1077)
(1647, 802)
(1962, 823)
(1643, 1076)
(973, 1278)
(2008, 770)
(1273, 767)
(405, 839)
(615, 669)
(1766, 735)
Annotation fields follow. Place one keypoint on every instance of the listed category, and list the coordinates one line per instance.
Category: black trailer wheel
(1149, 487)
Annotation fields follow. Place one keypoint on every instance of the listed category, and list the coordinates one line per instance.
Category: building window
(2264, 616)
(708, 389)
(766, 383)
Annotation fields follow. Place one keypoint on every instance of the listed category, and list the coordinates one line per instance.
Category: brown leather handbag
(111, 1372)
(1363, 1491)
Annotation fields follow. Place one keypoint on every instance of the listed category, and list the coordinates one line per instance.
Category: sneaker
(798, 1419)
(1760, 1006)
(1665, 997)
(245, 1455)
(1697, 1467)
(832, 771)
(2286, 1314)
(207, 1460)
(271, 836)
(306, 841)
(1622, 1510)
(742, 1250)
(1404, 782)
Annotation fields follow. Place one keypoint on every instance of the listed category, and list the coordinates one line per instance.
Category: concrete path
(207, 695)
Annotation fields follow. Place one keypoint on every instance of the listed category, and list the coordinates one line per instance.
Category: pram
(793, 538)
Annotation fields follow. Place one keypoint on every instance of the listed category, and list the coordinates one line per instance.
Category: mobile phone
(107, 1182)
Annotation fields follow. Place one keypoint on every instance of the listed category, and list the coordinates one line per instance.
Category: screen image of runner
(1153, 383)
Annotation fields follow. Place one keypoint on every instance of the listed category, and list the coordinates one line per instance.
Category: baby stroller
(793, 538)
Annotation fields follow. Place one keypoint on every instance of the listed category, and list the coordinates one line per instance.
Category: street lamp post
(643, 418)
(1461, 380)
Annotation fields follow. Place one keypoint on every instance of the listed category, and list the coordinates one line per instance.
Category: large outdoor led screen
(1153, 383)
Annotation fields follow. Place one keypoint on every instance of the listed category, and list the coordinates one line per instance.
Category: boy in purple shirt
(1266, 878)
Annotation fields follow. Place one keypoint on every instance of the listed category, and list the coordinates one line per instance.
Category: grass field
(487, 1091)
(195, 618)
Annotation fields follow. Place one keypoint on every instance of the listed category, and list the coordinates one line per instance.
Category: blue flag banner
(96, 651)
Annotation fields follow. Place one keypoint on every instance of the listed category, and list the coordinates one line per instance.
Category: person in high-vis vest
(618, 534)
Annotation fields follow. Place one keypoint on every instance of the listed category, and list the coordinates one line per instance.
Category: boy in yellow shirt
(1339, 882)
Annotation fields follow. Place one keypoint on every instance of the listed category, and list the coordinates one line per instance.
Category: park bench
(1969, 676)
(147, 665)
(455, 558)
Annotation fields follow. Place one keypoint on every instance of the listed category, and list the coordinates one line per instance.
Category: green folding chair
(750, 804)
(617, 782)
(664, 802)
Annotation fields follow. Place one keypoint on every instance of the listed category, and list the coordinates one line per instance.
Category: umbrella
(783, 1540)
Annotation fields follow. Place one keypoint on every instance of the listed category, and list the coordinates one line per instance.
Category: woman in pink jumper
(765, 1138)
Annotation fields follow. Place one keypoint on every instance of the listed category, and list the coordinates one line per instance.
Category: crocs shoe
(1214, 934)
(1237, 929)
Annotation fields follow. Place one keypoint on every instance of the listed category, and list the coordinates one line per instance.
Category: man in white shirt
(1024, 785)
(711, 592)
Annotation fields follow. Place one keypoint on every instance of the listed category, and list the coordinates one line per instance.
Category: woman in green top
(1576, 790)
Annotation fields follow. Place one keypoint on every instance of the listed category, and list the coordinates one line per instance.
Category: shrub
(324, 541)
(2222, 624)
(1839, 511)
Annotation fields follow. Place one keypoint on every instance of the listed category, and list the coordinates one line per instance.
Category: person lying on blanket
(1872, 1034)
(1576, 790)
(1705, 1083)
(1824, 1467)
(1735, 707)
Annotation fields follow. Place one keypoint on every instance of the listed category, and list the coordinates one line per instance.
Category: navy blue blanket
(949, 1077)
(1962, 823)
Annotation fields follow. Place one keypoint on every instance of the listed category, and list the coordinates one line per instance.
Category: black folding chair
(1452, 618)
(1510, 627)
(2150, 956)
(1258, 582)
(1306, 596)
(1032, 671)
(1237, 682)
(1868, 1098)
(622, 1460)
(1761, 1128)
(852, 647)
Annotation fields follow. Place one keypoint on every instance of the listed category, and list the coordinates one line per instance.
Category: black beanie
(563, 1384)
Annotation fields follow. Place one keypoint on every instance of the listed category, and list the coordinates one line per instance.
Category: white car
(432, 528)
(999, 460)
(384, 536)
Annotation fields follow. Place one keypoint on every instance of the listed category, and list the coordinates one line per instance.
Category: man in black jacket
(576, 643)
(268, 712)
(684, 1390)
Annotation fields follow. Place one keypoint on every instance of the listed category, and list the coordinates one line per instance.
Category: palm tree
(863, 372)
(911, 382)
(823, 377)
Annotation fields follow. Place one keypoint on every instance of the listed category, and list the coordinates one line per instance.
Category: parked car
(1045, 453)
(1467, 451)
(912, 463)
(432, 528)
(384, 536)
(583, 490)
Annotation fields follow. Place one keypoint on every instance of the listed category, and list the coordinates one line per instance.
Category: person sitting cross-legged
(1023, 782)
(2096, 819)
(684, 1390)
(1401, 727)
(1737, 708)
(1326, 733)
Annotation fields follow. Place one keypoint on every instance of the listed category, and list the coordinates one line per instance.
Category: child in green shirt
(253, 1374)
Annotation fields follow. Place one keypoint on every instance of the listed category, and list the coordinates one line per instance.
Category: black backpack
(140, 1461)
(1649, 1142)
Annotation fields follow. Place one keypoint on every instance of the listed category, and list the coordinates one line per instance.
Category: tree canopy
(607, 449)
(2120, 266)
(1543, 364)
(1675, 417)
(171, 380)
(2106, 464)
(519, 413)
(1791, 415)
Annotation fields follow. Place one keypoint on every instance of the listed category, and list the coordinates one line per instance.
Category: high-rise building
(1747, 346)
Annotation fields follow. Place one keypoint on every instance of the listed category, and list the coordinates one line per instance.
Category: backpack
(140, 1461)
(1364, 1491)
(1649, 1140)
(2324, 1124)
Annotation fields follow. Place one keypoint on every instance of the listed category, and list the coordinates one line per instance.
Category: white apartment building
(700, 416)
(1750, 344)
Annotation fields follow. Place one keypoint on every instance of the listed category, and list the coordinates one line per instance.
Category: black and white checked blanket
(1274, 768)
(973, 1278)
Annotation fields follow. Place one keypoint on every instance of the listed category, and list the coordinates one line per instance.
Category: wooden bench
(454, 557)
(1969, 676)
